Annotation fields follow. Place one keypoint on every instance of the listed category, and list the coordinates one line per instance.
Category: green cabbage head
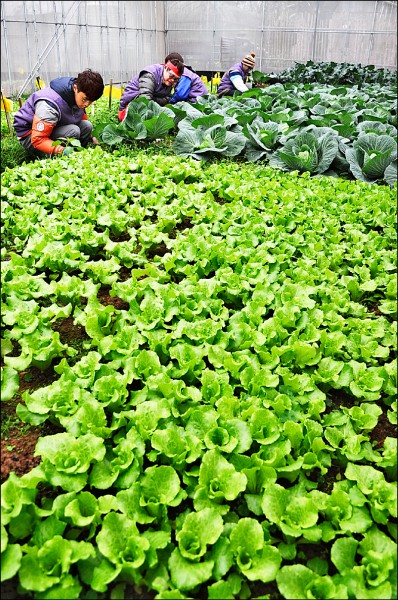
(371, 155)
(307, 152)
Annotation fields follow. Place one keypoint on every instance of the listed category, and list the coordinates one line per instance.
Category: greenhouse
(199, 300)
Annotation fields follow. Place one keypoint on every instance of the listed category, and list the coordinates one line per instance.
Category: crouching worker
(234, 80)
(58, 112)
(190, 86)
(154, 82)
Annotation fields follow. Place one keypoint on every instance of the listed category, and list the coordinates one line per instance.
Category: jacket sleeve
(127, 95)
(147, 85)
(41, 131)
(238, 83)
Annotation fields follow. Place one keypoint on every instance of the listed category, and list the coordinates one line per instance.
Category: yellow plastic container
(115, 93)
(6, 104)
(216, 79)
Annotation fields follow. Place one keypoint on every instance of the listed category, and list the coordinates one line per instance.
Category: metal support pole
(120, 45)
(372, 35)
(214, 40)
(110, 94)
(55, 33)
(49, 46)
(28, 44)
(315, 31)
(262, 38)
(4, 22)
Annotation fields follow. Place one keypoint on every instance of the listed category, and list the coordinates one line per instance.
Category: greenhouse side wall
(212, 36)
(51, 39)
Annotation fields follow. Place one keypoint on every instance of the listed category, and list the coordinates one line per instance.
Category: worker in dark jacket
(190, 86)
(154, 82)
(234, 80)
(58, 112)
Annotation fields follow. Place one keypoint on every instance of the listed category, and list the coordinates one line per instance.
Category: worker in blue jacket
(154, 82)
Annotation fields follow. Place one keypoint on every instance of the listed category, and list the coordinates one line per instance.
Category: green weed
(9, 422)
(102, 113)
(12, 153)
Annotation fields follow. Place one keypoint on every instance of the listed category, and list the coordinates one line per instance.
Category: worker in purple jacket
(190, 86)
(234, 80)
(58, 112)
(154, 82)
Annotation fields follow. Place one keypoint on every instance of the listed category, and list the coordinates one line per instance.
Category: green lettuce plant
(61, 399)
(122, 463)
(174, 445)
(199, 530)
(146, 501)
(67, 459)
(218, 481)
(344, 510)
(46, 569)
(299, 581)
(292, 509)
(117, 556)
(9, 383)
(255, 558)
(381, 494)
(367, 568)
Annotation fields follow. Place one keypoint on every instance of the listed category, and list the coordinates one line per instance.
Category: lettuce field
(217, 429)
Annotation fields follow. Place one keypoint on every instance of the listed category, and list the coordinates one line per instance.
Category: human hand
(95, 141)
(68, 150)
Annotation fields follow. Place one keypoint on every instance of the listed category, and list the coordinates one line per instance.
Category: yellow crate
(216, 79)
(6, 104)
(116, 92)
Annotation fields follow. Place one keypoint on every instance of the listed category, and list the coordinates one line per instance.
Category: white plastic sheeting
(215, 35)
(49, 39)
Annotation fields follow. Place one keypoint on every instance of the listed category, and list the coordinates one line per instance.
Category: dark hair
(177, 55)
(173, 55)
(91, 84)
(177, 63)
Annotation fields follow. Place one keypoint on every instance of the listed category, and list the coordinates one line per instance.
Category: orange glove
(41, 131)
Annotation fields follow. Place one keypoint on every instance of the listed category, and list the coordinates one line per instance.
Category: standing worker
(190, 85)
(58, 112)
(234, 80)
(154, 82)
